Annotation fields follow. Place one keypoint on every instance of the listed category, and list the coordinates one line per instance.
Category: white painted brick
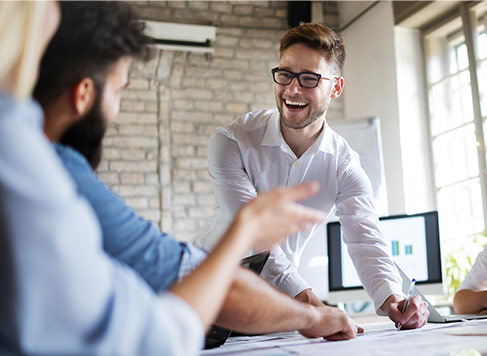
(198, 5)
(138, 83)
(184, 200)
(182, 126)
(137, 203)
(223, 52)
(136, 191)
(187, 139)
(205, 199)
(200, 213)
(152, 178)
(122, 166)
(135, 141)
(132, 106)
(202, 187)
(151, 215)
(181, 187)
(184, 151)
(208, 105)
(150, 106)
(140, 130)
(195, 163)
(185, 225)
(102, 167)
(132, 178)
(145, 95)
(220, 6)
(154, 203)
(226, 41)
(132, 154)
(237, 108)
(203, 151)
(109, 178)
(136, 118)
(183, 104)
(183, 175)
(243, 9)
(111, 153)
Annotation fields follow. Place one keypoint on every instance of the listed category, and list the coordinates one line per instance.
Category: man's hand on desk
(330, 323)
(415, 316)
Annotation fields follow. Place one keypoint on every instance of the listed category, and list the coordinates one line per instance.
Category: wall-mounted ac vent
(182, 37)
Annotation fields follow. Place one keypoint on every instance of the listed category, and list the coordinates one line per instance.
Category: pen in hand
(408, 298)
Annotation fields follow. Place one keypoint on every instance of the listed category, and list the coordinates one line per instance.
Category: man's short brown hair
(318, 37)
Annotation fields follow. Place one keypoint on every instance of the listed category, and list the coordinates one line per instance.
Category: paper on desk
(432, 339)
(255, 345)
(471, 329)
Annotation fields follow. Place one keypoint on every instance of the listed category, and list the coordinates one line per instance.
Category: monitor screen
(413, 242)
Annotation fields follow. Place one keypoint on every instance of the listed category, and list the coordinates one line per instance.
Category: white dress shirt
(60, 293)
(477, 277)
(250, 156)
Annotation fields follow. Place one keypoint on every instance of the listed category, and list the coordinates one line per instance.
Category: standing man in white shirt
(293, 144)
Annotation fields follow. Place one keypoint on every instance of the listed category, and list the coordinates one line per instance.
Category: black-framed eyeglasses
(307, 80)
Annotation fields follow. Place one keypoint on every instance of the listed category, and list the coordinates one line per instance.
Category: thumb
(394, 312)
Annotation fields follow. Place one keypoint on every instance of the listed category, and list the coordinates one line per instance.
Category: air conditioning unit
(182, 37)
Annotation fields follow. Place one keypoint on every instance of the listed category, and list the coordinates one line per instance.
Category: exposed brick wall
(155, 154)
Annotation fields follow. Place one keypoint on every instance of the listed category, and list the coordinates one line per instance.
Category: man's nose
(294, 86)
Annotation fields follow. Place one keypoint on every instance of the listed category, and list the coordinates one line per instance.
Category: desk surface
(462, 339)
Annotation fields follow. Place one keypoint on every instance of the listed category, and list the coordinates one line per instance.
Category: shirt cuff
(290, 283)
(192, 257)
(381, 295)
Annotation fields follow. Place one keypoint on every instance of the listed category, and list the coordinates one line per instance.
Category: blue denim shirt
(156, 256)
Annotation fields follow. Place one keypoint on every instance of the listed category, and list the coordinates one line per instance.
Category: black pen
(408, 298)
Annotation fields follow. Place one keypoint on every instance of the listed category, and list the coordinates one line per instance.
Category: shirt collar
(273, 136)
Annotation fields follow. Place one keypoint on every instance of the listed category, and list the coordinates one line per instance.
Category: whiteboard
(364, 136)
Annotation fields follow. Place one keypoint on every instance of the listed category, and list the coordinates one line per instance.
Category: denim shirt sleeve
(156, 256)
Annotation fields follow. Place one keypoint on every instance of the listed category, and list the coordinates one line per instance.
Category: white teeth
(295, 103)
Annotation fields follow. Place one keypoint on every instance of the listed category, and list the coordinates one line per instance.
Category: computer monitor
(414, 244)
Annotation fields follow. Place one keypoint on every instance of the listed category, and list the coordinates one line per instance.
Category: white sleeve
(231, 184)
(280, 272)
(362, 235)
(477, 277)
(233, 188)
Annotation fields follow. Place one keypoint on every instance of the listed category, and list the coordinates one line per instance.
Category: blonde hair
(21, 27)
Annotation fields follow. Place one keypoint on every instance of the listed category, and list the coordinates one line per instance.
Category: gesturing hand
(273, 215)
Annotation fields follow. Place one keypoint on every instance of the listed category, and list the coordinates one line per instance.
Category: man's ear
(337, 89)
(83, 96)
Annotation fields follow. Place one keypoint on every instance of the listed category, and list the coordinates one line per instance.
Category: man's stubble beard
(312, 117)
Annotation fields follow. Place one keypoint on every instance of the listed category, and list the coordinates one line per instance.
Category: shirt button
(296, 164)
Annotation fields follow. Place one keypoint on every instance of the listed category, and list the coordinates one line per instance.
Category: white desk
(467, 338)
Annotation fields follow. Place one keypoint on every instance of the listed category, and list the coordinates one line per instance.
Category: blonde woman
(60, 293)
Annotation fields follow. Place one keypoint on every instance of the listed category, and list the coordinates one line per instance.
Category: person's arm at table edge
(467, 301)
(254, 306)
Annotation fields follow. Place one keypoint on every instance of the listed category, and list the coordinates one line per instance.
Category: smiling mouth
(295, 105)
